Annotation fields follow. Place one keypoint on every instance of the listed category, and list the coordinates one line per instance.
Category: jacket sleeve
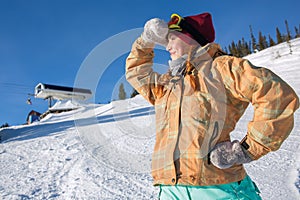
(139, 72)
(274, 103)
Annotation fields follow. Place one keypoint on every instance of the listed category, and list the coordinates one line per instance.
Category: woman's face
(179, 44)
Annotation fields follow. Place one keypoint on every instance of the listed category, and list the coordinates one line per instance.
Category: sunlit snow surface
(104, 151)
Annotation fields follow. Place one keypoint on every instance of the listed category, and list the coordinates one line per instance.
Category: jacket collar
(196, 58)
(204, 53)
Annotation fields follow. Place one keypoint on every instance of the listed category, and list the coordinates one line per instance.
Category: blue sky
(48, 40)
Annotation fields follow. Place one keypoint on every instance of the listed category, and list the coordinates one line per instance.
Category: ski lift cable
(10, 88)
(9, 92)
(15, 85)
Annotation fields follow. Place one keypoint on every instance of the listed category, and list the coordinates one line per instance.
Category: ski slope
(104, 151)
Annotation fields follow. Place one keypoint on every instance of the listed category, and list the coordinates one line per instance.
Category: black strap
(218, 53)
(244, 144)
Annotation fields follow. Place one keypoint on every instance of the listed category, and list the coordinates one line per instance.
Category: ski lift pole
(49, 102)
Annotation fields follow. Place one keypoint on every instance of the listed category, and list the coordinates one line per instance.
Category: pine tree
(4, 125)
(262, 41)
(239, 49)
(297, 32)
(278, 36)
(233, 49)
(271, 41)
(246, 49)
(253, 40)
(122, 93)
(249, 47)
(134, 93)
(287, 31)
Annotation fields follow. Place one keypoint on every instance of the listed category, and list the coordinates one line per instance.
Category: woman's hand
(226, 154)
(156, 31)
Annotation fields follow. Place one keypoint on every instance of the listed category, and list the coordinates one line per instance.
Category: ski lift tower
(51, 92)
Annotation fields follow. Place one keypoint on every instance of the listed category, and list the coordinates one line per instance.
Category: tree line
(242, 48)
(4, 125)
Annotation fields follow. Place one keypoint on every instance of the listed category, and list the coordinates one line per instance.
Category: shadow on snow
(47, 129)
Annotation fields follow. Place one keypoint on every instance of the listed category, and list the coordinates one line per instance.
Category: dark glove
(226, 154)
(156, 31)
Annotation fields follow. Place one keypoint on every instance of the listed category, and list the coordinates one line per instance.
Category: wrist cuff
(254, 149)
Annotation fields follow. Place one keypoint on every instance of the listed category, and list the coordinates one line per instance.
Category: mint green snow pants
(243, 190)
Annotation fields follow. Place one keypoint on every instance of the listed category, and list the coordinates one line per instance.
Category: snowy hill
(104, 151)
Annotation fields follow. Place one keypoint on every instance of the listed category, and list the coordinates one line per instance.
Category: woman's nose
(168, 47)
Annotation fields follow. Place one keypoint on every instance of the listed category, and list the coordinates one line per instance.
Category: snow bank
(66, 105)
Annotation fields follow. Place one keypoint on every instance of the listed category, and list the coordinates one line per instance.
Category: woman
(198, 103)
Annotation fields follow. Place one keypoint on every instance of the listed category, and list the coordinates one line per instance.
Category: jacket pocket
(196, 109)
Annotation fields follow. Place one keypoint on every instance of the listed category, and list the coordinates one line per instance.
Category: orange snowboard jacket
(200, 109)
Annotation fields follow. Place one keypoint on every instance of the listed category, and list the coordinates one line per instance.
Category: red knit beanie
(198, 27)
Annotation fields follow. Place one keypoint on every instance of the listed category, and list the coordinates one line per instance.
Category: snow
(65, 105)
(104, 151)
